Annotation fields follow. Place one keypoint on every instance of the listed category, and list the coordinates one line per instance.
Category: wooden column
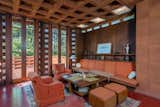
(36, 45)
(59, 44)
(42, 48)
(68, 46)
(23, 39)
(9, 48)
(1, 82)
(50, 48)
(5, 49)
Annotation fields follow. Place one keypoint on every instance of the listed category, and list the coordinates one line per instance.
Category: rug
(72, 100)
(130, 102)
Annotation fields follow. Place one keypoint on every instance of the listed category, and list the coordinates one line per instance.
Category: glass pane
(16, 50)
(54, 46)
(115, 22)
(29, 48)
(63, 46)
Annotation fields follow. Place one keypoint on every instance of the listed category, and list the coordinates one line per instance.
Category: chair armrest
(47, 79)
(53, 84)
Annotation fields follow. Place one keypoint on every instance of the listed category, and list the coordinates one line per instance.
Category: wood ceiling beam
(126, 2)
(6, 2)
(36, 6)
(45, 10)
(16, 4)
(54, 8)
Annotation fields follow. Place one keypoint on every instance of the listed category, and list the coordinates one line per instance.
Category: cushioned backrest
(124, 68)
(110, 67)
(91, 64)
(59, 68)
(99, 65)
(84, 63)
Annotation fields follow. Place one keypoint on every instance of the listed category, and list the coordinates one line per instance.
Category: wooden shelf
(111, 55)
(117, 57)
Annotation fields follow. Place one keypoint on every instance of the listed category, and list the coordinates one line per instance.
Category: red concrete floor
(146, 101)
(15, 96)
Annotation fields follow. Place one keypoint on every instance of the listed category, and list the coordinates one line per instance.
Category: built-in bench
(118, 71)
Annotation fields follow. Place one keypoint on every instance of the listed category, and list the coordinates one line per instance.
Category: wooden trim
(0, 48)
(9, 48)
(59, 44)
(36, 43)
(68, 44)
(23, 39)
(50, 48)
(42, 48)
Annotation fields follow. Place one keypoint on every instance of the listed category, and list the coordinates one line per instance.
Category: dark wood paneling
(79, 44)
(119, 35)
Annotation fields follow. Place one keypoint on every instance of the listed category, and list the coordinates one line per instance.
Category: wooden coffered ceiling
(65, 12)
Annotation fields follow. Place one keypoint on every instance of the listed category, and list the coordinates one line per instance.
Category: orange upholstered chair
(59, 70)
(46, 90)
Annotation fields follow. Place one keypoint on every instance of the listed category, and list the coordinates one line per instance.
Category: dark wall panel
(119, 35)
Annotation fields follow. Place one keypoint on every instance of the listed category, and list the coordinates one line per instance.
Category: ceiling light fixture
(97, 20)
(82, 26)
(121, 10)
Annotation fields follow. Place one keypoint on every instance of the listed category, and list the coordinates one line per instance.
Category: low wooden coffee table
(76, 79)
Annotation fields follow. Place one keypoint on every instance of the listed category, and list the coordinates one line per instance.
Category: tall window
(16, 50)
(63, 46)
(55, 46)
(30, 48)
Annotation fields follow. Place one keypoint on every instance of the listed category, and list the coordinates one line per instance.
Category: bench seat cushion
(123, 80)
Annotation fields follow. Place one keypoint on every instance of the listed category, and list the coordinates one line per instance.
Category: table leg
(70, 87)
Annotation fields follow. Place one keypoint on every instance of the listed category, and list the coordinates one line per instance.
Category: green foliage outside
(16, 40)
(55, 42)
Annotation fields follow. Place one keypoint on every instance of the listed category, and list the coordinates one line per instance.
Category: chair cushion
(116, 87)
(47, 79)
(101, 97)
(102, 93)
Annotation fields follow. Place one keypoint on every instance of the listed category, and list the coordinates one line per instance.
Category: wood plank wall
(148, 47)
(118, 35)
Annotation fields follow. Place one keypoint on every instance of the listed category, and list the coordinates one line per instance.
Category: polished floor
(16, 96)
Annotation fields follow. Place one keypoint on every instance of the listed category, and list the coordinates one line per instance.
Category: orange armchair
(47, 91)
(59, 70)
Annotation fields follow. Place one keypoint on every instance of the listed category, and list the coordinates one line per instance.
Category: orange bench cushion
(99, 65)
(84, 63)
(123, 68)
(109, 66)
